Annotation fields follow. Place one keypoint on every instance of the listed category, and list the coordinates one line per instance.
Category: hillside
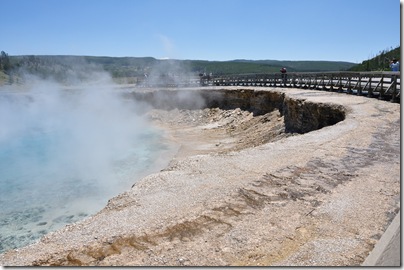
(263, 66)
(304, 66)
(57, 67)
(128, 69)
(3, 78)
(380, 62)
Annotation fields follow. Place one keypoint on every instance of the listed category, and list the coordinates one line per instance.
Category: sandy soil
(242, 192)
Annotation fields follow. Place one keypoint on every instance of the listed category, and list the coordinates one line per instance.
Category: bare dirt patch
(213, 130)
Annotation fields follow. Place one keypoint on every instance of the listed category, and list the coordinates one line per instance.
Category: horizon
(162, 59)
(332, 30)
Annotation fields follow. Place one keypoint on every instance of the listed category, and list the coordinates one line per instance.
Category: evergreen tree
(4, 61)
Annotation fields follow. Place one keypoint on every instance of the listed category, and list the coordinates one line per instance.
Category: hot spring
(64, 153)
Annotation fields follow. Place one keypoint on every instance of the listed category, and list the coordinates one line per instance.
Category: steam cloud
(55, 139)
(66, 148)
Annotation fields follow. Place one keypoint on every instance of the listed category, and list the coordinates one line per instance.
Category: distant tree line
(62, 68)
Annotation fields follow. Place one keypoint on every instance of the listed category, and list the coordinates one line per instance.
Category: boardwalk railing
(384, 85)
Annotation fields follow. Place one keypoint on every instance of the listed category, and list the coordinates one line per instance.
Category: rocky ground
(241, 191)
(218, 131)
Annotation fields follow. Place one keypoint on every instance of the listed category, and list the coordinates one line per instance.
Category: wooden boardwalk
(383, 85)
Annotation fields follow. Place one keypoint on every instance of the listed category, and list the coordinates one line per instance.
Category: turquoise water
(63, 154)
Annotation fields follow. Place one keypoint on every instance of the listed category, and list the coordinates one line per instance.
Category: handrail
(381, 84)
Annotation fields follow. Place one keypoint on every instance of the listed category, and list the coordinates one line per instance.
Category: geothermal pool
(64, 153)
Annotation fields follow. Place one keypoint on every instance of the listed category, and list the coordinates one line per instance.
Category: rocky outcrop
(300, 116)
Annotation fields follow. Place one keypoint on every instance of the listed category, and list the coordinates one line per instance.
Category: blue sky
(337, 30)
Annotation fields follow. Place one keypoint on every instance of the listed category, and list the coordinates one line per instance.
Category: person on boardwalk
(284, 75)
(395, 65)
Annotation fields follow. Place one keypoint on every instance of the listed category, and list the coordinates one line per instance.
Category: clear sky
(337, 30)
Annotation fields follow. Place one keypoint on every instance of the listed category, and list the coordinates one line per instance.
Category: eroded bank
(300, 115)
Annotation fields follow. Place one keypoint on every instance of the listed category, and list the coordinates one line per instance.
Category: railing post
(382, 90)
(340, 83)
(381, 87)
(331, 80)
(349, 90)
(359, 90)
(323, 86)
(314, 84)
(303, 82)
(370, 89)
(394, 88)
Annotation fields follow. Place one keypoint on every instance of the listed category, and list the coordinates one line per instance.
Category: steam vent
(261, 177)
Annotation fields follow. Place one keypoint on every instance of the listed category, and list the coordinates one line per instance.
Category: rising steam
(67, 147)
(66, 150)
